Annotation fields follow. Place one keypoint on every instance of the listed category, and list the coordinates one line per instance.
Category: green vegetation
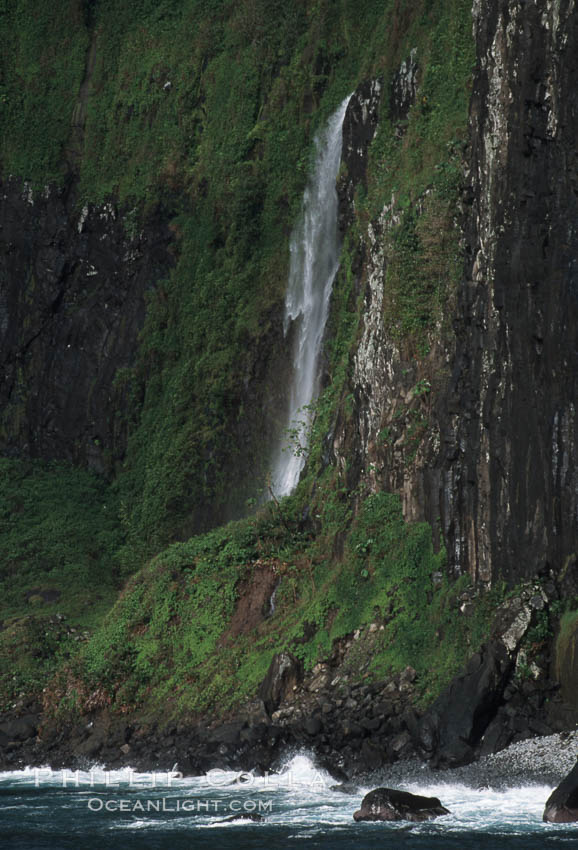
(59, 528)
(415, 174)
(566, 639)
(42, 58)
(59, 542)
(172, 647)
(423, 274)
(207, 110)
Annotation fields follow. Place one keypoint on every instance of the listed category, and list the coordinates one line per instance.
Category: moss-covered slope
(180, 134)
(206, 112)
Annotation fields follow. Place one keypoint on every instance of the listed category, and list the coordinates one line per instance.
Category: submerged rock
(345, 788)
(388, 804)
(252, 816)
(562, 804)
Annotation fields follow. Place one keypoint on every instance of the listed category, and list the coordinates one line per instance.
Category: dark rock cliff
(509, 504)
(496, 467)
(511, 486)
(478, 434)
(72, 304)
(359, 126)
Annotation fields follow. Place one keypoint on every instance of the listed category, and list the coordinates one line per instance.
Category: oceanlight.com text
(167, 804)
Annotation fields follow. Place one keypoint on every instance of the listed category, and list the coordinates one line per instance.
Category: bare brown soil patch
(254, 600)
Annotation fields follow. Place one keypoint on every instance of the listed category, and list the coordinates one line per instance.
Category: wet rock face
(72, 285)
(562, 805)
(359, 127)
(381, 378)
(510, 477)
(388, 804)
(403, 88)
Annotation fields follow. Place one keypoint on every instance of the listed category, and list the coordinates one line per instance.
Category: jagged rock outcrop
(457, 720)
(285, 672)
(375, 360)
(465, 719)
(403, 90)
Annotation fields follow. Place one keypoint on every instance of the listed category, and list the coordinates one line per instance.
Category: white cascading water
(300, 802)
(315, 247)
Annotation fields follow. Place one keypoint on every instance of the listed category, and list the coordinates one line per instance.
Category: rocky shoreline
(374, 731)
(352, 726)
(544, 760)
(370, 734)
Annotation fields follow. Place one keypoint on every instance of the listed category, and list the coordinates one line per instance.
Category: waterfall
(314, 262)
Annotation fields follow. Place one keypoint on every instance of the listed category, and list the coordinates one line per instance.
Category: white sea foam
(300, 796)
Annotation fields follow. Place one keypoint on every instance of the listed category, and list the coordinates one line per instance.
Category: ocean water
(98, 809)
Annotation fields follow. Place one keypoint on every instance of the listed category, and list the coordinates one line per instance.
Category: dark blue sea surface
(96, 810)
